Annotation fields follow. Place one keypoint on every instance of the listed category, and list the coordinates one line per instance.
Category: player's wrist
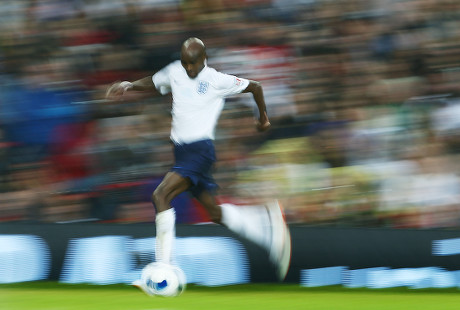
(263, 117)
(263, 120)
(126, 85)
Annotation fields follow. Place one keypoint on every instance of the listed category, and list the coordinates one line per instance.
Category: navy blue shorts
(195, 161)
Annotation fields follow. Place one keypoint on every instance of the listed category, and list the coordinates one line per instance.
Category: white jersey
(198, 102)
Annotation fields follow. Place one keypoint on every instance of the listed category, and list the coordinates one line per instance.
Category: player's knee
(159, 196)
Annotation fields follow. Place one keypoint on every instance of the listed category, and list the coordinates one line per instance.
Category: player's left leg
(250, 222)
(280, 249)
(208, 201)
(263, 225)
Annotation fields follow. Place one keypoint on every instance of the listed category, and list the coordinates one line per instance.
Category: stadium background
(363, 99)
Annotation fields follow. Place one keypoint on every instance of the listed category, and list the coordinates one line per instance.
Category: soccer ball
(160, 279)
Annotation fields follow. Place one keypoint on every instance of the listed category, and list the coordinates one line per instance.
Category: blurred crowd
(363, 96)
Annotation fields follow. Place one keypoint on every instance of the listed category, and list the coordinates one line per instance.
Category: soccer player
(198, 93)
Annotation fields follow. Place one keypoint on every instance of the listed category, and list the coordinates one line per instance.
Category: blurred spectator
(35, 109)
(426, 195)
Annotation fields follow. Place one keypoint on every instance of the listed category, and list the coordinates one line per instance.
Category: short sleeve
(162, 81)
(229, 85)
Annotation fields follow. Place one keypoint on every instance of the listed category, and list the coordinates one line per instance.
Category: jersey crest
(202, 87)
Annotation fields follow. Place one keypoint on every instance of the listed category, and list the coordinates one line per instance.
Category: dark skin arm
(118, 89)
(144, 84)
(255, 88)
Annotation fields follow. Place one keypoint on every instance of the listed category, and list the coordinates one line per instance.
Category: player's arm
(255, 88)
(118, 89)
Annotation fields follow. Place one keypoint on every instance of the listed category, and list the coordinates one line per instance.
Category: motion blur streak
(362, 96)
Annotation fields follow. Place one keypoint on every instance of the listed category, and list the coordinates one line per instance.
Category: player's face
(192, 65)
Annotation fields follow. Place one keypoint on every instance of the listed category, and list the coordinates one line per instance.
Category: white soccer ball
(160, 279)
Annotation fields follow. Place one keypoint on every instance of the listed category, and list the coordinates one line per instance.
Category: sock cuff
(166, 218)
(229, 212)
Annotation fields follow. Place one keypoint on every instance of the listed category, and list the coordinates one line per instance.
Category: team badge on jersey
(202, 87)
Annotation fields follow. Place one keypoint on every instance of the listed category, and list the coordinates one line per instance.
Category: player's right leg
(165, 221)
(172, 185)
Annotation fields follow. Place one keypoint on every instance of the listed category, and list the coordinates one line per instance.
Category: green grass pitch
(55, 296)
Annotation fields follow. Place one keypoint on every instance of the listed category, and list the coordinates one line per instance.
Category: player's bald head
(193, 48)
(193, 56)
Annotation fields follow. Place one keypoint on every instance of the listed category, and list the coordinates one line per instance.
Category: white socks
(166, 232)
(250, 222)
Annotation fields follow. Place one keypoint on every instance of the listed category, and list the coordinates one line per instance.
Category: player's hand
(263, 124)
(117, 90)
